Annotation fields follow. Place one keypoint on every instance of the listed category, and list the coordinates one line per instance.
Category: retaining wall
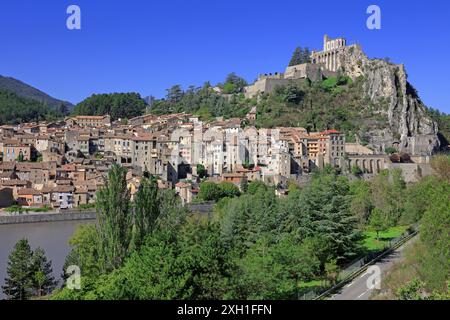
(47, 217)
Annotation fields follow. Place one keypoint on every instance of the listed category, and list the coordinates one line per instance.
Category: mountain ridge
(25, 90)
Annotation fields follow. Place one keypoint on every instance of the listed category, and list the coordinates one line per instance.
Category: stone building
(13, 150)
(371, 164)
(335, 148)
(330, 56)
(89, 121)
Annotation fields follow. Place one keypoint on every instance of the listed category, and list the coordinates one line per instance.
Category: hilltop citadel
(325, 63)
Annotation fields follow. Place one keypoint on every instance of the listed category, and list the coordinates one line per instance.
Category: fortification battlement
(276, 75)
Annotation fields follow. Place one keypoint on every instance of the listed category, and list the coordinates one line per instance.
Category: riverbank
(72, 215)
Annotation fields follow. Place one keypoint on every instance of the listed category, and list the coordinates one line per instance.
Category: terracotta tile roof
(14, 183)
(28, 191)
(90, 117)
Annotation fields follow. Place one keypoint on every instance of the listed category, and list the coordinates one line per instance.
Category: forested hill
(26, 91)
(117, 105)
(15, 109)
(334, 103)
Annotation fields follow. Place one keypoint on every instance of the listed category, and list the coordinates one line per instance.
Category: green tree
(411, 291)
(247, 218)
(20, 158)
(388, 189)
(325, 205)
(192, 265)
(19, 283)
(43, 281)
(234, 84)
(85, 251)
(256, 186)
(244, 184)
(114, 219)
(356, 171)
(146, 211)
(296, 57)
(292, 94)
(435, 235)
(300, 56)
(275, 270)
(229, 190)
(201, 171)
(332, 271)
(361, 201)
(390, 150)
(378, 222)
(420, 196)
(229, 88)
(209, 191)
(174, 94)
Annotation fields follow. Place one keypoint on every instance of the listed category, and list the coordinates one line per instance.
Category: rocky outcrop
(386, 85)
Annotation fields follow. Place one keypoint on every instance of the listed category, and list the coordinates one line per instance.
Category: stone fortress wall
(324, 64)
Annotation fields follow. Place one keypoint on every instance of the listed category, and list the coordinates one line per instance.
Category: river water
(53, 237)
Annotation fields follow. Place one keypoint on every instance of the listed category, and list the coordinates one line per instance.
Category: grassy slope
(372, 244)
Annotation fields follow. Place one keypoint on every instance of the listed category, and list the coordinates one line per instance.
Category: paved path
(358, 289)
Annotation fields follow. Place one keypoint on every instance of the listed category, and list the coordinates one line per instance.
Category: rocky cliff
(387, 87)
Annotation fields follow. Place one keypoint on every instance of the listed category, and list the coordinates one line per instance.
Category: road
(358, 288)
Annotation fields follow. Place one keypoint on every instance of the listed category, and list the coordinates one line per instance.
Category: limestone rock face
(386, 85)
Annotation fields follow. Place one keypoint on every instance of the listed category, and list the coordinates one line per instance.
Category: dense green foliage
(185, 258)
(29, 273)
(211, 191)
(43, 281)
(117, 105)
(332, 103)
(146, 211)
(424, 274)
(203, 101)
(201, 171)
(115, 219)
(260, 246)
(443, 121)
(15, 109)
(233, 84)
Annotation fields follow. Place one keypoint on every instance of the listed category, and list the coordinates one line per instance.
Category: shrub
(390, 150)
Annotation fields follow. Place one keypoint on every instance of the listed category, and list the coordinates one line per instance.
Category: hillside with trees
(424, 273)
(26, 91)
(334, 103)
(117, 105)
(15, 109)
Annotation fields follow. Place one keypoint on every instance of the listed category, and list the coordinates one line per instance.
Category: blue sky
(147, 46)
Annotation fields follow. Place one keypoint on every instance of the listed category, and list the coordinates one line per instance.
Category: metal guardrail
(397, 243)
